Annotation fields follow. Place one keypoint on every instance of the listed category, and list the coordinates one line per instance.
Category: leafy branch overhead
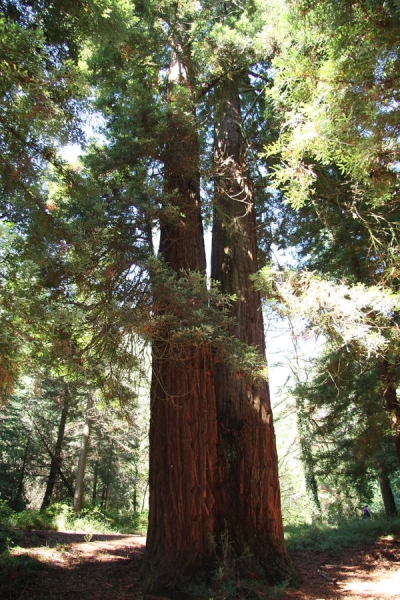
(347, 315)
(337, 95)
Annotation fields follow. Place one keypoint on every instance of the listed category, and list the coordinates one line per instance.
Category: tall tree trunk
(55, 465)
(392, 401)
(248, 509)
(183, 413)
(80, 473)
(387, 493)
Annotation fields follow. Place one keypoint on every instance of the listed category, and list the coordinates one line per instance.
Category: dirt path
(368, 573)
(75, 566)
(72, 566)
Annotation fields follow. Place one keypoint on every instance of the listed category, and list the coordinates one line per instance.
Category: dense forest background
(290, 110)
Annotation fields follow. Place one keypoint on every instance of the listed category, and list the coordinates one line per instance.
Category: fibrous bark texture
(248, 507)
(183, 430)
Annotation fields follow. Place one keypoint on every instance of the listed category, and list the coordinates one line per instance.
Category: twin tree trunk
(213, 464)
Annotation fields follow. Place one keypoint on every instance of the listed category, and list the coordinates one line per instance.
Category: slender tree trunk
(392, 401)
(80, 474)
(387, 493)
(104, 495)
(248, 509)
(135, 504)
(55, 465)
(51, 454)
(95, 479)
(18, 503)
(108, 476)
(183, 432)
(144, 496)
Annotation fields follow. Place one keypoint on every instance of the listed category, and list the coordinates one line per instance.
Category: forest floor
(51, 565)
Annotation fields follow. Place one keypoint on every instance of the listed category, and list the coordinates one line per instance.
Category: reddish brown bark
(183, 433)
(213, 465)
(182, 463)
(248, 509)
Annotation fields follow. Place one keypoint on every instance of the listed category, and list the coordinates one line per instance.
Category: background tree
(351, 442)
(335, 156)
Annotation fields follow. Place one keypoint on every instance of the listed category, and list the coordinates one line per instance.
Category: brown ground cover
(73, 566)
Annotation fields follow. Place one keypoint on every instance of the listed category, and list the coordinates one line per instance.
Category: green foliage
(346, 533)
(5, 511)
(61, 517)
(327, 476)
(78, 287)
(117, 467)
(338, 98)
(349, 440)
(190, 313)
(26, 519)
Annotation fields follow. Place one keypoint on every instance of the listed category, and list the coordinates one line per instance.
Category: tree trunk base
(235, 577)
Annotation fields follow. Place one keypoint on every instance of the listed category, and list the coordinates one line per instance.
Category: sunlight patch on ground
(387, 587)
(69, 553)
(44, 554)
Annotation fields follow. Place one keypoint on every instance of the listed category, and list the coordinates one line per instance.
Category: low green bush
(61, 517)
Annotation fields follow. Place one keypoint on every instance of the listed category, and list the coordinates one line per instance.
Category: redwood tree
(183, 429)
(248, 512)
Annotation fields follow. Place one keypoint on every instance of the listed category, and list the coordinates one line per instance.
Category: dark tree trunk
(392, 401)
(104, 495)
(55, 464)
(183, 433)
(19, 503)
(248, 509)
(387, 493)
